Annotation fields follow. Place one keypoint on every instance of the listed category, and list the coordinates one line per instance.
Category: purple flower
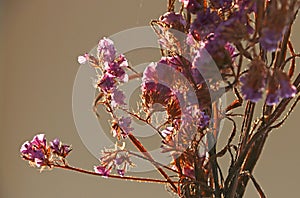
(35, 150)
(119, 160)
(150, 74)
(254, 81)
(205, 23)
(287, 90)
(204, 120)
(60, 149)
(192, 6)
(115, 68)
(234, 29)
(173, 20)
(272, 98)
(106, 50)
(248, 6)
(39, 141)
(273, 94)
(225, 4)
(107, 83)
(83, 59)
(102, 170)
(121, 172)
(270, 38)
(275, 24)
(117, 98)
(124, 123)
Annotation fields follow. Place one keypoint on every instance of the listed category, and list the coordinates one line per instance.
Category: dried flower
(83, 59)
(107, 83)
(106, 50)
(117, 98)
(173, 20)
(287, 90)
(192, 6)
(254, 81)
(224, 4)
(205, 24)
(60, 149)
(102, 170)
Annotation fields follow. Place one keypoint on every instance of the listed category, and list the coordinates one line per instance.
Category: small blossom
(106, 50)
(39, 141)
(60, 149)
(115, 70)
(121, 127)
(102, 170)
(83, 59)
(192, 6)
(35, 150)
(287, 90)
(204, 120)
(121, 172)
(270, 38)
(225, 4)
(234, 29)
(173, 20)
(117, 98)
(273, 94)
(107, 83)
(204, 24)
(254, 81)
(124, 123)
(120, 160)
(150, 74)
(275, 24)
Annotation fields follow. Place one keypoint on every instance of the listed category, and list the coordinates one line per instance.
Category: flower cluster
(116, 159)
(257, 78)
(41, 154)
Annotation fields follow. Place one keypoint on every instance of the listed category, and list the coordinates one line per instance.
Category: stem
(128, 178)
(144, 151)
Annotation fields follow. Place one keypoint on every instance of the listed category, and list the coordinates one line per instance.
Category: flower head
(107, 83)
(273, 94)
(287, 90)
(117, 98)
(40, 154)
(106, 50)
(173, 20)
(121, 127)
(224, 4)
(192, 6)
(205, 24)
(254, 81)
(102, 170)
(60, 149)
(82, 59)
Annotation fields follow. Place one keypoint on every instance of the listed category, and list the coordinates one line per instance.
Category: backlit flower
(106, 50)
(102, 170)
(254, 81)
(117, 98)
(107, 83)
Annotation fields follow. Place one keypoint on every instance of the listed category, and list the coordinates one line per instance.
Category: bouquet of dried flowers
(209, 48)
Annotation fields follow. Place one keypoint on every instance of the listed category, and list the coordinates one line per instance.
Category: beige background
(40, 42)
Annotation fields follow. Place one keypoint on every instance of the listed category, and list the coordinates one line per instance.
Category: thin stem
(144, 151)
(128, 178)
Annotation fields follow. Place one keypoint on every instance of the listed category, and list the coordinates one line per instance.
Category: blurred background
(39, 42)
